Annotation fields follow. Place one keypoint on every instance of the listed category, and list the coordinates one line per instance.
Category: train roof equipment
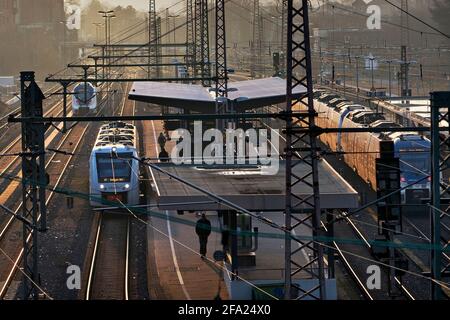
(366, 117)
(334, 102)
(117, 134)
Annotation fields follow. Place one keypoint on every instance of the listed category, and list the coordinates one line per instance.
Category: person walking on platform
(162, 141)
(203, 230)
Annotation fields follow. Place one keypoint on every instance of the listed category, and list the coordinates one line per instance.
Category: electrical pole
(404, 66)
(203, 66)
(256, 45)
(390, 78)
(152, 40)
(283, 36)
(190, 36)
(357, 77)
(301, 212)
(158, 47)
(107, 15)
(34, 181)
(440, 112)
(404, 73)
(221, 61)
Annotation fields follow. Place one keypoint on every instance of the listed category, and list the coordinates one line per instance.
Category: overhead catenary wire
(196, 253)
(418, 19)
(321, 240)
(117, 35)
(44, 292)
(282, 235)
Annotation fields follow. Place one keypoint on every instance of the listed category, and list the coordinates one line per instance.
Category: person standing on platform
(162, 141)
(203, 230)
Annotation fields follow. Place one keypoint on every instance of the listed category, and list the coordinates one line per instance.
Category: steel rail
(5, 285)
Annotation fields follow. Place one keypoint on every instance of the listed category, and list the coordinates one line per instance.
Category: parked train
(113, 166)
(362, 149)
(84, 98)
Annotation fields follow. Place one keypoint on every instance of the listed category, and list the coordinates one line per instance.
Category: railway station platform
(260, 257)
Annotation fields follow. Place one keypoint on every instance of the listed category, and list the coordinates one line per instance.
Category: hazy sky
(139, 4)
(161, 4)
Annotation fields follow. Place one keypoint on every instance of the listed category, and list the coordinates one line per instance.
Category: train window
(114, 168)
(84, 93)
(415, 166)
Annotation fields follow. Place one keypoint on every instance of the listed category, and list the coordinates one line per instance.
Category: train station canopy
(246, 187)
(243, 95)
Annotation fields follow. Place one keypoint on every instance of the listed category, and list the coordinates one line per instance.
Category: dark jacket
(203, 227)
(161, 140)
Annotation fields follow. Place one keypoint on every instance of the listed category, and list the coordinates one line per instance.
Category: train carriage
(362, 149)
(84, 98)
(114, 168)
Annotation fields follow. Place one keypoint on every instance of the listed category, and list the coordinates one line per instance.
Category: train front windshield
(114, 168)
(84, 93)
(415, 165)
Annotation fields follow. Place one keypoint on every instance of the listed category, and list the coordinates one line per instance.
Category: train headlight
(102, 187)
(127, 186)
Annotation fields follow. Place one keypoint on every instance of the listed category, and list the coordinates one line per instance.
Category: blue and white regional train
(84, 98)
(361, 149)
(113, 168)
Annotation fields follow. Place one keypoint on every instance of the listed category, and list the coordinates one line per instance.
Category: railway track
(419, 261)
(56, 167)
(109, 262)
(419, 264)
(15, 146)
(349, 261)
(16, 111)
(108, 272)
(345, 258)
(360, 235)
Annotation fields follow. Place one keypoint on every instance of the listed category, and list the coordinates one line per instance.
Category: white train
(84, 98)
(113, 168)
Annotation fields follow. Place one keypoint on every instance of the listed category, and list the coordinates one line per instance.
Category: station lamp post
(390, 62)
(372, 60)
(107, 15)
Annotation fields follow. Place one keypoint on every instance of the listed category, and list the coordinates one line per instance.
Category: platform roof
(246, 94)
(248, 189)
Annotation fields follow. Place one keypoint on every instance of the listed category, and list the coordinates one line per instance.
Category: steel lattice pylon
(158, 46)
(190, 35)
(33, 181)
(203, 66)
(439, 219)
(152, 39)
(256, 46)
(283, 33)
(221, 61)
(197, 37)
(301, 149)
(221, 51)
